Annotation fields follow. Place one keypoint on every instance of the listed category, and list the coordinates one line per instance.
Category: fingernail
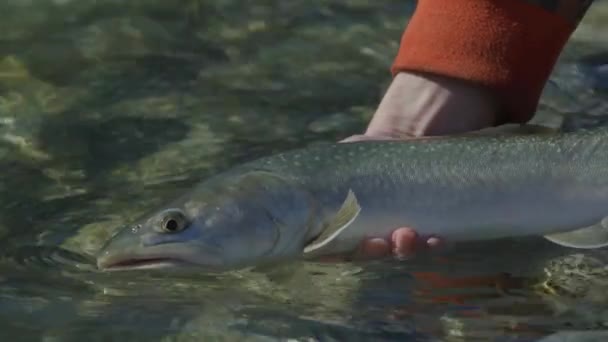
(433, 242)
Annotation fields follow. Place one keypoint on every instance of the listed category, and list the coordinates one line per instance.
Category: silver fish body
(459, 188)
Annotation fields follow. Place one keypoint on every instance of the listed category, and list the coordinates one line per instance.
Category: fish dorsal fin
(595, 236)
(337, 224)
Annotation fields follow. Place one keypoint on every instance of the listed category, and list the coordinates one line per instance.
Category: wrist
(418, 104)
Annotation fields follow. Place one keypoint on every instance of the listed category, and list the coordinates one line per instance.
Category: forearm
(508, 47)
(571, 10)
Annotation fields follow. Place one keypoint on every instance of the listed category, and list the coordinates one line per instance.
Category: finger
(405, 242)
(373, 248)
(357, 137)
(435, 242)
(363, 137)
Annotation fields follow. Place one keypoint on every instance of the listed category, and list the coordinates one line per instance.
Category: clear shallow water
(108, 108)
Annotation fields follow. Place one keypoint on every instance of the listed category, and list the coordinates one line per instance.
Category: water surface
(109, 108)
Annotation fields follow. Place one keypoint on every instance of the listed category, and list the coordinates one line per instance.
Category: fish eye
(173, 221)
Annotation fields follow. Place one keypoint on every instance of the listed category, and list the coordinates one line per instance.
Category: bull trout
(324, 200)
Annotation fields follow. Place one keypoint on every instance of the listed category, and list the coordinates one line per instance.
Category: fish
(322, 200)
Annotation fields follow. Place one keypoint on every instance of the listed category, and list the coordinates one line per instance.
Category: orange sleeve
(508, 46)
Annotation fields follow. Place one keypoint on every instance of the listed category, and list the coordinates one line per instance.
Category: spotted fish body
(326, 199)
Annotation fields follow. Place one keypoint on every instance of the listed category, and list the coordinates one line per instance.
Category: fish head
(236, 222)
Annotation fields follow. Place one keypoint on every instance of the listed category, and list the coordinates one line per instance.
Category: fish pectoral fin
(337, 224)
(595, 236)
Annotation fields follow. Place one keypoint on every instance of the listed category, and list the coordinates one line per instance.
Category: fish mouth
(159, 257)
(128, 263)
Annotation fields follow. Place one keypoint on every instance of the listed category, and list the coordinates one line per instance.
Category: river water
(108, 108)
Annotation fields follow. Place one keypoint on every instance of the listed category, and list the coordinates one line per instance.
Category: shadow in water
(96, 146)
(90, 147)
(478, 291)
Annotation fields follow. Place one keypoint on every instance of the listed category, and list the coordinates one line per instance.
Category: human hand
(417, 106)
